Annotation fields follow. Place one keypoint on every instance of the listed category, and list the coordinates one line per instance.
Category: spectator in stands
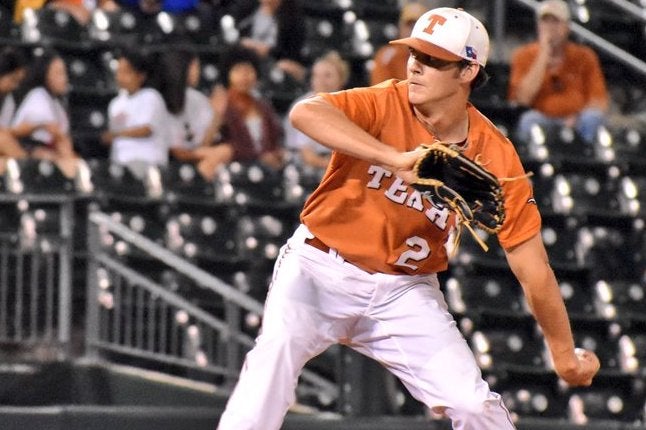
(41, 122)
(329, 73)
(276, 32)
(195, 119)
(13, 67)
(253, 128)
(560, 81)
(137, 116)
(390, 60)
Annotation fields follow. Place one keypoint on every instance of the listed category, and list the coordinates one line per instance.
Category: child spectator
(137, 115)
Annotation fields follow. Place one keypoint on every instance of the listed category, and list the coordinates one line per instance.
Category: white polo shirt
(143, 108)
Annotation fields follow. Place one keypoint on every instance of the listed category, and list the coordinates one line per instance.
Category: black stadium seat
(367, 35)
(530, 394)
(502, 343)
(492, 291)
(9, 31)
(322, 34)
(184, 184)
(561, 238)
(89, 70)
(611, 399)
(55, 26)
(33, 176)
(255, 186)
(209, 237)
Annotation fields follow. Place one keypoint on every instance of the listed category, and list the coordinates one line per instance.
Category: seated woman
(137, 116)
(194, 119)
(41, 121)
(246, 123)
(253, 127)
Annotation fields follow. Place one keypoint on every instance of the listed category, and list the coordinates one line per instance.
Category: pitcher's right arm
(329, 126)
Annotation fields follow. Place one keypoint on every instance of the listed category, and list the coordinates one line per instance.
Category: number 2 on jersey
(419, 251)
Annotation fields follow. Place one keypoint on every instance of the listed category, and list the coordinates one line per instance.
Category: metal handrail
(229, 328)
(601, 43)
(201, 277)
(626, 6)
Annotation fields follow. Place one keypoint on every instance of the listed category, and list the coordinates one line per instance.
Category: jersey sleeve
(522, 217)
(361, 106)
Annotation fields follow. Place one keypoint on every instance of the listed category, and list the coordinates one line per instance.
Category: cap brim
(427, 48)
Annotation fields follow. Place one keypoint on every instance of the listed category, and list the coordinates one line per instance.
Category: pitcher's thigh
(415, 336)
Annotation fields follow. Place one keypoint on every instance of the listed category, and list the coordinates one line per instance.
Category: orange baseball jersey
(566, 91)
(378, 222)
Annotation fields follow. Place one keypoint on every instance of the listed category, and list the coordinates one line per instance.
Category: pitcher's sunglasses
(434, 62)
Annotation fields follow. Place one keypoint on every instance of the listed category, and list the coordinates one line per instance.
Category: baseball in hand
(589, 362)
(585, 355)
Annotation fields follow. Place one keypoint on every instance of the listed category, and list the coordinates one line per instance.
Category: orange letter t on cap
(434, 19)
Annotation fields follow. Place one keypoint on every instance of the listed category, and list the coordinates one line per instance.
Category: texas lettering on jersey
(398, 192)
(377, 221)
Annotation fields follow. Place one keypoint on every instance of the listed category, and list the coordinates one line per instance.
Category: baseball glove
(447, 177)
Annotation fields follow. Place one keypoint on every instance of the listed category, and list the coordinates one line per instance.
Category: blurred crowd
(162, 113)
(159, 112)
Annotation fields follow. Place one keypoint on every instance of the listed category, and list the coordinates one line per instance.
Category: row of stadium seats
(591, 234)
(358, 33)
(577, 189)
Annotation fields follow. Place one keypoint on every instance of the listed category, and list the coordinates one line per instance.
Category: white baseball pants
(318, 299)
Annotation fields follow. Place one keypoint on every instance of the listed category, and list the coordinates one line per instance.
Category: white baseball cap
(556, 8)
(449, 34)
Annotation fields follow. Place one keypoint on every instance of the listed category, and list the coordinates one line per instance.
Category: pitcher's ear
(475, 73)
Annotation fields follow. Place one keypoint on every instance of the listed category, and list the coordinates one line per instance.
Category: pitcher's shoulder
(480, 125)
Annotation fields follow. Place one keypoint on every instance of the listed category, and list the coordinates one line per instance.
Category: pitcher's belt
(318, 244)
